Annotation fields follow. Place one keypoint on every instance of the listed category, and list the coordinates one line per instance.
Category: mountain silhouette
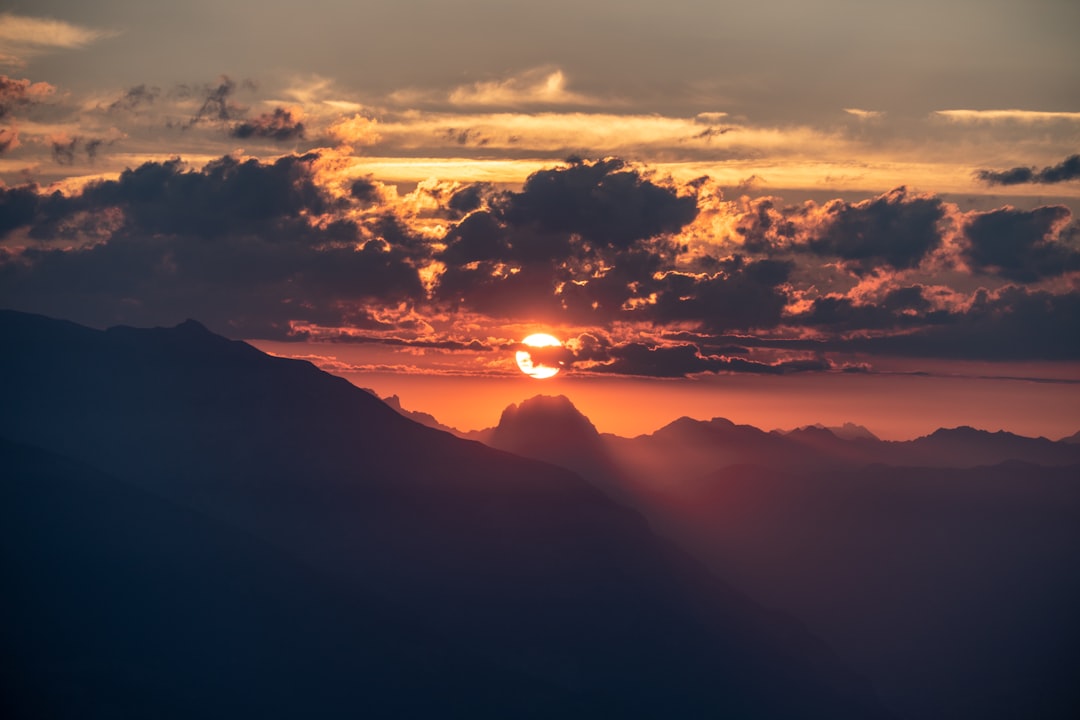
(510, 586)
(951, 586)
(550, 428)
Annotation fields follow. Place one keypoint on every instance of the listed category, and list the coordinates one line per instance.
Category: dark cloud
(364, 190)
(228, 196)
(360, 339)
(903, 307)
(765, 228)
(388, 228)
(491, 289)
(1067, 169)
(217, 105)
(63, 151)
(603, 201)
(232, 243)
(92, 147)
(577, 242)
(1022, 245)
(743, 294)
(135, 98)
(467, 199)
(1012, 324)
(479, 237)
(262, 249)
(279, 125)
(682, 360)
(711, 132)
(895, 229)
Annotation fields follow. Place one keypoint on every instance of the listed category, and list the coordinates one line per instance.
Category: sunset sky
(778, 212)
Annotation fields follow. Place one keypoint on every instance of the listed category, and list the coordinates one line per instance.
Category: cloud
(741, 294)
(1009, 324)
(135, 98)
(674, 361)
(312, 246)
(865, 114)
(23, 37)
(9, 139)
(66, 148)
(899, 308)
(606, 202)
(245, 245)
(16, 95)
(20, 93)
(897, 229)
(356, 130)
(63, 150)
(281, 125)
(217, 105)
(1021, 116)
(1021, 245)
(534, 87)
(1067, 169)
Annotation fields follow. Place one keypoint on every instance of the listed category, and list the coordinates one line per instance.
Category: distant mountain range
(944, 567)
(193, 528)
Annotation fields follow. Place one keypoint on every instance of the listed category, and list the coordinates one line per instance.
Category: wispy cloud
(23, 37)
(864, 114)
(1025, 116)
(538, 87)
(534, 87)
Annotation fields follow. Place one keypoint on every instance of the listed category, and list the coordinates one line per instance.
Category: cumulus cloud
(241, 243)
(605, 202)
(1021, 245)
(1067, 169)
(898, 229)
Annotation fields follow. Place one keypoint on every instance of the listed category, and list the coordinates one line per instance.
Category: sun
(539, 361)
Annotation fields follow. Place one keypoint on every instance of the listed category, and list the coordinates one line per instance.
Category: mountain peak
(190, 326)
(546, 411)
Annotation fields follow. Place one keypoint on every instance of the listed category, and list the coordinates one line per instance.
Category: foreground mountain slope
(121, 604)
(512, 562)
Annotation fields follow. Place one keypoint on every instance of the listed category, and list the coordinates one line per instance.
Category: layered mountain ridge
(942, 566)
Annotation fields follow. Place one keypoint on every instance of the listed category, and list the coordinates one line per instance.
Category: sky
(779, 212)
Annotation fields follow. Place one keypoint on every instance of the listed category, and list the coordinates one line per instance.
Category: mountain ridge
(519, 560)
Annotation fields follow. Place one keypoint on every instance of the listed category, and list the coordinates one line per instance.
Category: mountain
(423, 418)
(847, 431)
(689, 448)
(553, 430)
(118, 600)
(1073, 439)
(504, 586)
(953, 588)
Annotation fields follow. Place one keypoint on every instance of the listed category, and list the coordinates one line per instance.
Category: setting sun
(538, 361)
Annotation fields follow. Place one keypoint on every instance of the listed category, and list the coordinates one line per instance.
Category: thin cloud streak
(23, 37)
